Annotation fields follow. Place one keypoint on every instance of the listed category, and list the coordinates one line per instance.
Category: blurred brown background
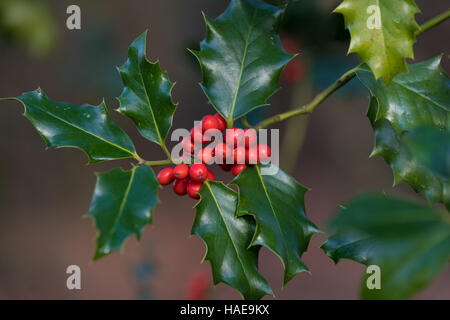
(44, 193)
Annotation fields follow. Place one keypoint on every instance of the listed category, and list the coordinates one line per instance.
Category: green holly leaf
(431, 147)
(146, 97)
(406, 165)
(382, 33)
(277, 204)
(236, 76)
(122, 205)
(227, 238)
(420, 98)
(409, 242)
(86, 127)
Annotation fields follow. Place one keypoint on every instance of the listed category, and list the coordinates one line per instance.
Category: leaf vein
(228, 230)
(242, 65)
(133, 154)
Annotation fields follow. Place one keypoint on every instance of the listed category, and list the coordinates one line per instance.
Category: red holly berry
(193, 187)
(225, 167)
(237, 168)
(296, 69)
(165, 176)
(221, 121)
(290, 44)
(206, 155)
(180, 186)
(187, 145)
(198, 285)
(181, 171)
(251, 156)
(198, 172)
(221, 152)
(239, 155)
(210, 176)
(210, 122)
(234, 137)
(197, 135)
(264, 152)
(250, 138)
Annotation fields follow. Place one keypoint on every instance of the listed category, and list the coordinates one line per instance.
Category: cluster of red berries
(186, 179)
(239, 149)
(198, 285)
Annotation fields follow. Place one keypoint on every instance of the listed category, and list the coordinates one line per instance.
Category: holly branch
(344, 79)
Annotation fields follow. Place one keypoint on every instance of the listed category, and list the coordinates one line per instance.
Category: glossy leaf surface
(430, 146)
(86, 127)
(227, 238)
(420, 98)
(122, 205)
(277, 204)
(242, 57)
(146, 98)
(382, 33)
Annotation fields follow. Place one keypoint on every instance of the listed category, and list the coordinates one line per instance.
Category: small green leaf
(382, 33)
(227, 238)
(122, 205)
(237, 77)
(277, 204)
(409, 242)
(146, 97)
(420, 98)
(86, 127)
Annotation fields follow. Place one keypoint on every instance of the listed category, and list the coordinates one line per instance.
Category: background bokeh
(45, 193)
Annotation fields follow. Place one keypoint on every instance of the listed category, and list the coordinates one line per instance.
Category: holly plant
(241, 60)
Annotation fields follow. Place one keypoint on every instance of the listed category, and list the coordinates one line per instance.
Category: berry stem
(166, 151)
(230, 123)
(245, 122)
(157, 162)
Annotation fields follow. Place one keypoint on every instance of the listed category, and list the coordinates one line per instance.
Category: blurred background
(45, 193)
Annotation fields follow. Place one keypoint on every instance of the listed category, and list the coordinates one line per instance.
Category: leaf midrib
(133, 154)
(122, 204)
(385, 51)
(272, 208)
(228, 230)
(244, 56)
(148, 99)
